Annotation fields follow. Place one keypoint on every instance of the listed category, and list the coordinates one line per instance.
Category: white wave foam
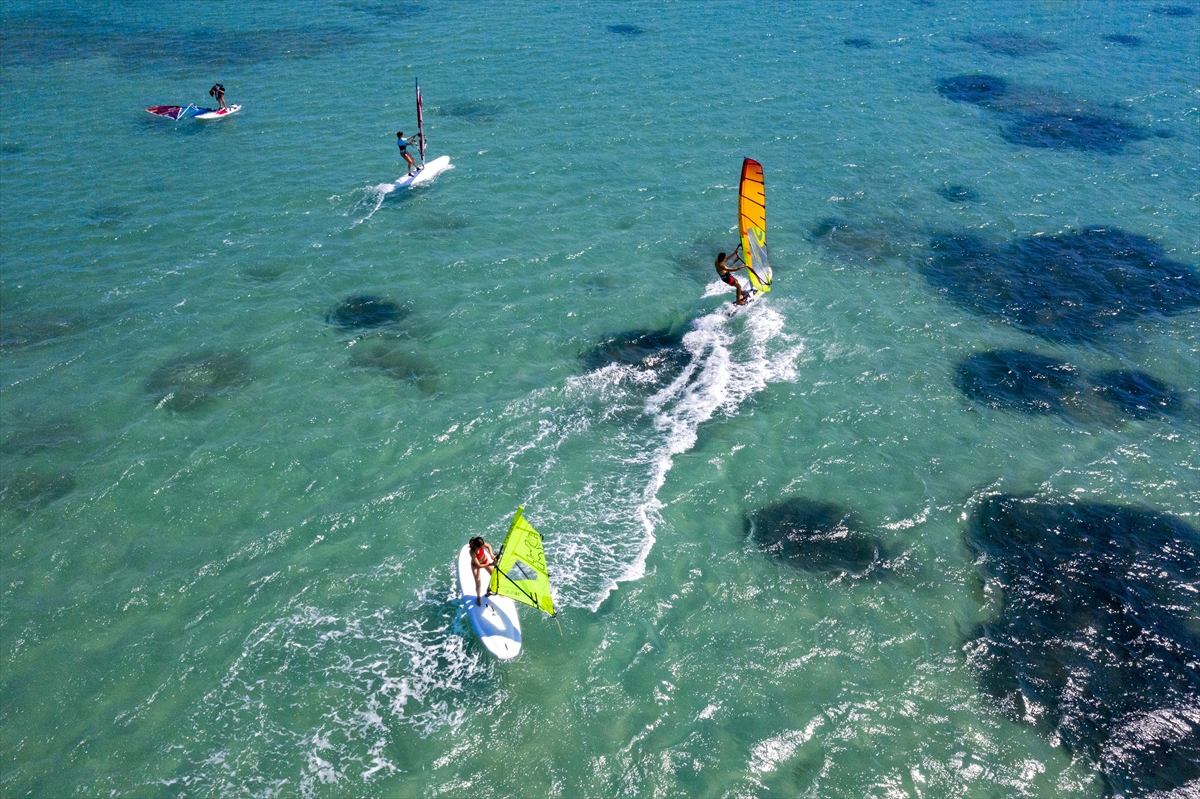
(365, 201)
(630, 444)
(766, 755)
(716, 379)
(338, 688)
(717, 288)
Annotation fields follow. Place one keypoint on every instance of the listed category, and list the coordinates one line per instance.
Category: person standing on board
(482, 558)
(218, 91)
(402, 143)
(725, 271)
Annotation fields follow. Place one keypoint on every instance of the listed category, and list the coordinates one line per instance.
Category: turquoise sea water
(229, 526)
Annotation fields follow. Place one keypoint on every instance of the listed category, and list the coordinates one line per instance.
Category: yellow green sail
(752, 224)
(520, 571)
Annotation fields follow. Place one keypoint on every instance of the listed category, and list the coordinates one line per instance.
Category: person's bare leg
(479, 585)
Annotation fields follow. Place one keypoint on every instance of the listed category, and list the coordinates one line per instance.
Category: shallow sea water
(229, 526)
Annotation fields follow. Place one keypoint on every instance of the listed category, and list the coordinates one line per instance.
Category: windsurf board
(218, 113)
(427, 173)
(737, 309)
(496, 619)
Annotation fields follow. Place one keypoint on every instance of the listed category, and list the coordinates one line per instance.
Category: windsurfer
(725, 271)
(218, 91)
(482, 557)
(402, 143)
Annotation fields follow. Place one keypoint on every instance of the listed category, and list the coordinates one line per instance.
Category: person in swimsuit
(403, 144)
(482, 558)
(725, 271)
(218, 91)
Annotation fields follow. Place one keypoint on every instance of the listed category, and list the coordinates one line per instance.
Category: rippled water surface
(920, 522)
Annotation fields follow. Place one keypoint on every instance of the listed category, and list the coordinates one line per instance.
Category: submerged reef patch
(861, 242)
(106, 215)
(1077, 131)
(265, 272)
(1034, 117)
(1014, 44)
(1074, 286)
(957, 193)
(193, 381)
(1097, 633)
(50, 36)
(813, 535)
(25, 490)
(394, 358)
(1138, 395)
(29, 328)
(366, 311)
(1124, 38)
(1020, 381)
(975, 89)
(660, 351)
(1173, 11)
(439, 223)
(1025, 382)
(208, 47)
(40, 436)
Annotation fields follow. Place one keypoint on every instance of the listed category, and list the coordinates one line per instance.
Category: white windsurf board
(219, 113)
(747, 287)
(736, 309)
(427, 173)
(496, 619)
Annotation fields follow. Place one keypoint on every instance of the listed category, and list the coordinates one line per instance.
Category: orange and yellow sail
(752, 225)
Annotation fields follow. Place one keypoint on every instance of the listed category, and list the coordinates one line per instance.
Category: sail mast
(420, 124)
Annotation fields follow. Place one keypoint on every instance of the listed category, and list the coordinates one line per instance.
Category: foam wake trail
(601, 449)
(320, 698)
(364, 202)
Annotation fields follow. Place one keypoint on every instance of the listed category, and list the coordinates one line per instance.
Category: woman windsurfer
(482, 557)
